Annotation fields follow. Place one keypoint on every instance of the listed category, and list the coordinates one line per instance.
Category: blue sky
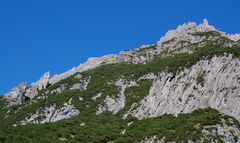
(54, 35)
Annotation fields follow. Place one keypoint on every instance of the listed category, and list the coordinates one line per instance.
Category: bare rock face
(43, 82)
(59, 89)
(90, 64)
(51, 114)
(82, 85)
(95, 97)
(183, 36)
(234, 37)
(116, 103)
(23, 92)
(228, 133)
(112, 104)
(16, 96)
(211, 83)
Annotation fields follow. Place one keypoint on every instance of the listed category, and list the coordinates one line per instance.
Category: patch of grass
(208, 34)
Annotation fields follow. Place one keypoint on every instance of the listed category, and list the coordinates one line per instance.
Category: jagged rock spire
(43, 82)
(205, 22)
(184, 32)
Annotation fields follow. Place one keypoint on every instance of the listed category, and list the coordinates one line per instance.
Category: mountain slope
(185, 88)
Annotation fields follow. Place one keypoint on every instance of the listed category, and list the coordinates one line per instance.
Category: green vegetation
(208, 34)
(107, 127)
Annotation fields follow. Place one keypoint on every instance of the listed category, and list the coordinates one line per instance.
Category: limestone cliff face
(211, 83)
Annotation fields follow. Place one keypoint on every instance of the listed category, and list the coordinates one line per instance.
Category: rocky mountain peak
(185, 88)
(16, 95)
(175, 41)
(234, 37)
(185, 32)
(43, 82)
(23, 91)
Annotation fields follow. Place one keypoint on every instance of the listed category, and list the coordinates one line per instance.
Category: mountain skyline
(50, 36)
(184, 88)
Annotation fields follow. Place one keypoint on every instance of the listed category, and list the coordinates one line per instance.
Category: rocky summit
(184, 88)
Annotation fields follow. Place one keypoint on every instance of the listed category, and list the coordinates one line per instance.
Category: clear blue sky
(54, 35)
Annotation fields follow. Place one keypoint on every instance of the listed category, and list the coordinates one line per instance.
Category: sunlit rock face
(211, 83)
(24, 92)
(51, 114)
(234, 37)
(16, 95)
(117, 102)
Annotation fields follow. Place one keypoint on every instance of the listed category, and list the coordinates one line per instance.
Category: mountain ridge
(190, 76)
(123, 55)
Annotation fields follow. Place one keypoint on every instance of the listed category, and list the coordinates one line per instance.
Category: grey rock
(183, 94)
(17, 95)
(59, 89)
(51, 114)
(116, 103)
(228, 133)
(82, 85)
(43, 82)
(23, 92)
(96, 96)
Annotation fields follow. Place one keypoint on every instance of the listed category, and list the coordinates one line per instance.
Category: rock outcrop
(24, 92)
(51, 114)
(43, 82)
(234, 37)
(211, 83)
(17, 95)
(116, 103)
